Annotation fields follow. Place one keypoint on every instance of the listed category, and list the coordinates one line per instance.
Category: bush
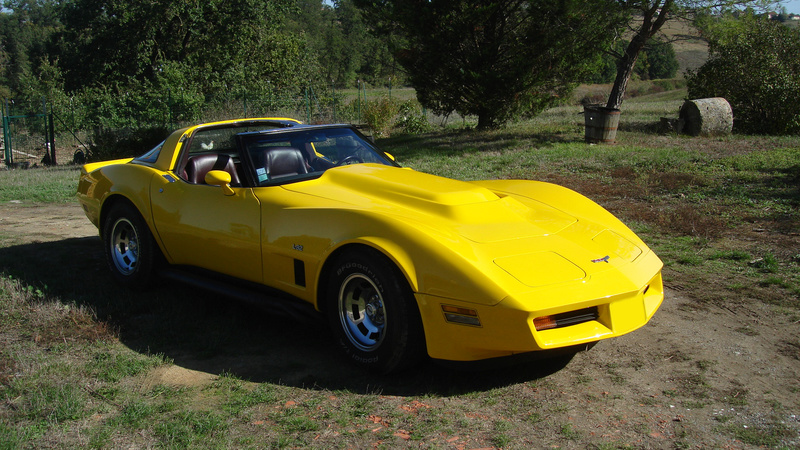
(124, 143)
(379, 114)
(411, 118)
(754, 66)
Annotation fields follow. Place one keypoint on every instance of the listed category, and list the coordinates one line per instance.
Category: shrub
(754, 66)
(411, 118)
(124, 143)
(379, 114)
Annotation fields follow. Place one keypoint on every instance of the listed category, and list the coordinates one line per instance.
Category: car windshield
(299, 154)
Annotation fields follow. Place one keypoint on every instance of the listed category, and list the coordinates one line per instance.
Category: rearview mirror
(220, 178)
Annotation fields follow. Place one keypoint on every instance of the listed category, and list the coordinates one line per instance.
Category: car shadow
(205, 332)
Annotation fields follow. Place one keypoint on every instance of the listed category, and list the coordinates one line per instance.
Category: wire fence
(78, 121)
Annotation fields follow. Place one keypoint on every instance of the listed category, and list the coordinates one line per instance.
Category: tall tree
(646, 19)
(28, 66)
(108, 42)
(342, 44)
(494, 59)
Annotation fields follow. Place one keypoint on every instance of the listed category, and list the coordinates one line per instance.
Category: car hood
(474, 212)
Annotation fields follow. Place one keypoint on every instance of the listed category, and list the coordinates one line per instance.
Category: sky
(792, 6)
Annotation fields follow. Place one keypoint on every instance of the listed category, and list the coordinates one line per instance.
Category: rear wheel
(372, 312)
(130, 249)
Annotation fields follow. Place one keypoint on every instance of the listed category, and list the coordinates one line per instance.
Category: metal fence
(44, 132)
(28, 138)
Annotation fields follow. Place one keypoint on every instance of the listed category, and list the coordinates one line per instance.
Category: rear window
(152, 155)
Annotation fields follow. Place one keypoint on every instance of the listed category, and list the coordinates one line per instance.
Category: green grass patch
(39, 185)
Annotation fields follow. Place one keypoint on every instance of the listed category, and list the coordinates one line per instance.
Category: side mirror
(220, 178)
(390, 156)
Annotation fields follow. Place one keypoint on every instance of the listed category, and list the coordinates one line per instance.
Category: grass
(81, 364)
(47, 185)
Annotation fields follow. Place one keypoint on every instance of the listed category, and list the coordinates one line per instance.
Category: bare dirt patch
(710, 374)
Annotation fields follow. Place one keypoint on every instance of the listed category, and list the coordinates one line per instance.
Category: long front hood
(472, 211)
(509, 232)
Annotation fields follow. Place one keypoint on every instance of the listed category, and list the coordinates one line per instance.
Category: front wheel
(372, 312)
(129, 246)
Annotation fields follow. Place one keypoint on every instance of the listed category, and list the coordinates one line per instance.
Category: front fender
(434, 263)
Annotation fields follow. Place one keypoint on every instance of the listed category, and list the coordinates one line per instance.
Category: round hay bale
(707, 117)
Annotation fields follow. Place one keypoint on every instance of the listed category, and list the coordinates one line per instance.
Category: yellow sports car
(401, 263)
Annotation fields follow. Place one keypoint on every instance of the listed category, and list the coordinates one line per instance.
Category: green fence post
(333, 101)
(52, 138)
(308, 107)
(7, 134)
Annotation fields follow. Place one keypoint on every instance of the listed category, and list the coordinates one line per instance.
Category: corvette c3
(401, 264)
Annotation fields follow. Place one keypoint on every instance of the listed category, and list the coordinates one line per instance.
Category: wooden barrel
(601, 124)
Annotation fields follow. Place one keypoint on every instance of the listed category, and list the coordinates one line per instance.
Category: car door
(201, 226)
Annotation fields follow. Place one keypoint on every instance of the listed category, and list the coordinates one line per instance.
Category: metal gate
(28, 139)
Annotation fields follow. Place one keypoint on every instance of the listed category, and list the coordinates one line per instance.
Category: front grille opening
(566, 319)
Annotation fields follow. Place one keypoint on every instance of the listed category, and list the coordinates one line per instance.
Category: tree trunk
(486, 120)
(649, 27)
(625, 70)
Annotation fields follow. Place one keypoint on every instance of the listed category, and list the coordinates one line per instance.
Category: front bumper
(508, 328)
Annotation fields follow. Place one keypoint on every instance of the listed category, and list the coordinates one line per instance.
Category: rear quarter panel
(112, 181)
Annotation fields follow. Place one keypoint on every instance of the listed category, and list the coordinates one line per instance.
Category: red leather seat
(198, 166)
(283, 162)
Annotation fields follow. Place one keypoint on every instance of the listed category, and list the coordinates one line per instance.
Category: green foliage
(379, 114)
(339, 39)
(29, 70)
(495, 60)
(753, 64)
(656, 61)
(411, 118)
(218, 42)
(124, 142)
(385, 114)
(661, 59)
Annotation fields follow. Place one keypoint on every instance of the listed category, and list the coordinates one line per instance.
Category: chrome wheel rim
(124, 246)
(362, 312)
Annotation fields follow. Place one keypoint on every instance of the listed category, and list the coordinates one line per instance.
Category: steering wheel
(350, 160)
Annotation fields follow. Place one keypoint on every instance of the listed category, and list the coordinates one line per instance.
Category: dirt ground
(696, 375)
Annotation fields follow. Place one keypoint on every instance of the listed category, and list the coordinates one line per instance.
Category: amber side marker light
(461, 316)
(544, 323)
(565, 319)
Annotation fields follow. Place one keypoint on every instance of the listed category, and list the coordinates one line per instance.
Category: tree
(662, 62)
(657, 60)
(29, 70)
(646, 19)
(340, 40)
(753, 64)
(494, 59)
(218, 43)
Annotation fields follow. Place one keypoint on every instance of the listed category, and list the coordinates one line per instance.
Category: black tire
(131, 253)
(372, 312)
